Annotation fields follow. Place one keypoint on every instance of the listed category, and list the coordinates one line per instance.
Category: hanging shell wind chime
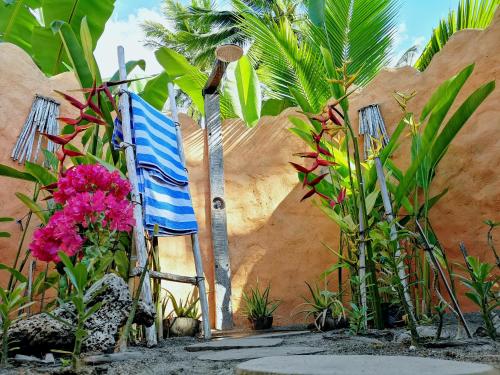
(41, 119)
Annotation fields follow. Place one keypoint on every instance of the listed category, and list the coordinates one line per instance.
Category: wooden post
(213, 123)
(139, 239)
(200, 279)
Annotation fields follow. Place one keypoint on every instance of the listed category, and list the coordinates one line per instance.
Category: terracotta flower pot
(262, 322)
(182, 327)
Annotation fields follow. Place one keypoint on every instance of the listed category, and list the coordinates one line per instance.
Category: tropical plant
(257, 303)
(79, 278)
(291, 64)
(12, 301)
(358, 319)
(183, 309)
(240, 97)
(483, 290)
(471, 14)
(323, 304)
(198, 29)
(347, 187)
(30, 25)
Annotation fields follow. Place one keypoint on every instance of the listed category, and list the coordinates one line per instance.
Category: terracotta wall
(20, 80)
(273, 237)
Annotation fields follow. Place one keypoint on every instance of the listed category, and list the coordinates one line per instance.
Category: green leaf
(14, 173)
(17, 275)
(316, 12)
(471, 14)
(273, 107)
(74, 52)
(34, 207)
(122, 263)
(242, 87)
(17, 22)
(6, 219)
(43, 175)
(129, 66)
(4, 234)
(87, 47)
(155, 92)
(458, 120)
(49, 49)
(189, 78)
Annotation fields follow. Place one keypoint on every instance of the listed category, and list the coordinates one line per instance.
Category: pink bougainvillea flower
(93, 199)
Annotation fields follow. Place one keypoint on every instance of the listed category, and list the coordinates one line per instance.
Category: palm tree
(292, 65)
(199, 28)
(471, 14)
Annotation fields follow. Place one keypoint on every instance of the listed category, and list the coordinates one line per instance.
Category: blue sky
(415, 23)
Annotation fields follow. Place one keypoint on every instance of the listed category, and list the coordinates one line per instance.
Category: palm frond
(359, 32)
(284, 61)
(470, 14)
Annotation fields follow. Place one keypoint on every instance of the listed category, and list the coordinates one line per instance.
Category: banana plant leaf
(48, 48)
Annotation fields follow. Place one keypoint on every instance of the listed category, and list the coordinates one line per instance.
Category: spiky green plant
(483, 290)
(257, 303)
(184, 309)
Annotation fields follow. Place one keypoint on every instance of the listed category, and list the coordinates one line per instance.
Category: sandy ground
(170, 357)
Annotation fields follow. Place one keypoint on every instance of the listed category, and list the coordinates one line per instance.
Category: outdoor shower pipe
(218, 218)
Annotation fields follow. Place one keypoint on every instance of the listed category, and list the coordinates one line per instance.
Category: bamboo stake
(370, 123)
(142, 253)
(435, 262)
(207, 333)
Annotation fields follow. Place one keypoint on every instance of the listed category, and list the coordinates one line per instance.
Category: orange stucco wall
(273, 237)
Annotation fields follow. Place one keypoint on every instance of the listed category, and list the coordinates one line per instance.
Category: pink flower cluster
(90, 194)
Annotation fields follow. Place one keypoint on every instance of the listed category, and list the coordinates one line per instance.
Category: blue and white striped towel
(162, 177)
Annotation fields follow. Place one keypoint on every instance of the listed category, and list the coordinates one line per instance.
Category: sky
(416, 20)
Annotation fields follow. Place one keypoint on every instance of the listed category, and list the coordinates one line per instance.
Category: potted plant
(326, 309)
(183, 320)
(258, 308)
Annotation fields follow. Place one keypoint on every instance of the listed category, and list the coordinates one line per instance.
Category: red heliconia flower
(71, 153)
(311, 192)
(311, 155)
(92, 119)
(70, 121)
(73, 101)
(323, 151)
(340, 198)
(61, 139)
(300, 168)
(325, 163)
(316, 180)
(332, 117)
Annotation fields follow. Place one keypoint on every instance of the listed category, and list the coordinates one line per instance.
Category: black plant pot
(392, 314)
(262, 322)
(330, 322)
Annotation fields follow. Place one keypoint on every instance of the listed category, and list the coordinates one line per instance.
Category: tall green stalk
(377, 309)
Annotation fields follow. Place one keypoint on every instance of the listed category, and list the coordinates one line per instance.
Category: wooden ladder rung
(166, 276)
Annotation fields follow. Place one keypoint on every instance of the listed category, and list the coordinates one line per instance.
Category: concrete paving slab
(226, 344)
(273, 335)
(239, 354)
(359, 365)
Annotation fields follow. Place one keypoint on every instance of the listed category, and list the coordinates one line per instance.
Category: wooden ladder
(199, 279)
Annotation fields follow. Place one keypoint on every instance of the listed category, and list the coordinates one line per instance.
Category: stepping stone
(239, 354)
(280, 334)
(359, 365)
(226, 344)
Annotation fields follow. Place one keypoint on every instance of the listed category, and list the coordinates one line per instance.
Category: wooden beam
(138, 235)
(165, 276)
